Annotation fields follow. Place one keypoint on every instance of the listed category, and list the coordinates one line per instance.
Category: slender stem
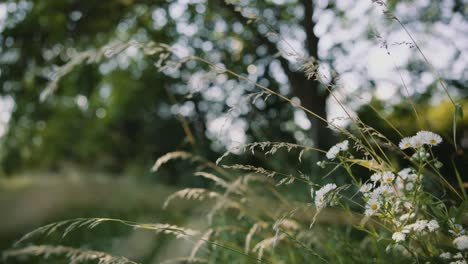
(426, 60)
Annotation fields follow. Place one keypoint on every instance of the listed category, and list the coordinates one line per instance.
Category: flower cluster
(399, 199)
(420, 227)
(407, 180)
(375, 194)
(421, 138)
(456, 258)
(336, 149)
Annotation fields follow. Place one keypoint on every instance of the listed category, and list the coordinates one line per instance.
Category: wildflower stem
(426, 60)
(303, 245)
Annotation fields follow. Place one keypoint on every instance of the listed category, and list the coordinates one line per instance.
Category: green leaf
(457, 114)
(459, 179)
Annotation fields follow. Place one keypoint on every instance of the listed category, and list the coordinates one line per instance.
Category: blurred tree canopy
(119, 114)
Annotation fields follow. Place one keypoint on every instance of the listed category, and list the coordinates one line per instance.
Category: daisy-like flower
(404, 173)
(409, 186)
(461, 261)
(461, 242)
(332, 152)
(399, 237)
(335, 150)
(372, 206)
(376, 177)
(405, 143)
(416, 142)
(383, 190)
(432, 225)
(457, 230)
(429, 138)
(374, 194)
(326, 188)
(320, 201)
(320, 195)
(458, 255)
(344, 145)
(400, 184)
(387, 177)
(365, 188)
(446, 255)
(419, 226)
(412, 177)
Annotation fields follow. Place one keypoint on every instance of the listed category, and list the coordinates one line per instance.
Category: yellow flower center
(432, 141)
(456, 230)
(373, 207)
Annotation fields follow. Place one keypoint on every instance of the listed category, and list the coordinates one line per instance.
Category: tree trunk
(308, 91)
(312, 96)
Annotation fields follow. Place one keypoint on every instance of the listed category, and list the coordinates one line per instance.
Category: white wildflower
(335, 150)
(404, 173)
(446, 255)
(383, 190)
(399, 236)
(461, 242)
(387, 177)
(376, 177)
(412, 177)
(344, 145)
(405, 143)
(409, 186)
(365, 188)
(374, 194)
(326, 188)
(332, 152)
(457, 230)
(432, 225)
(400, 184)
(407, 228)
(416, 142)
(320, 201)
(458, 255)
(320, 194)
(372, 207)
(420, 225)
(429, 138)
(461, 261)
